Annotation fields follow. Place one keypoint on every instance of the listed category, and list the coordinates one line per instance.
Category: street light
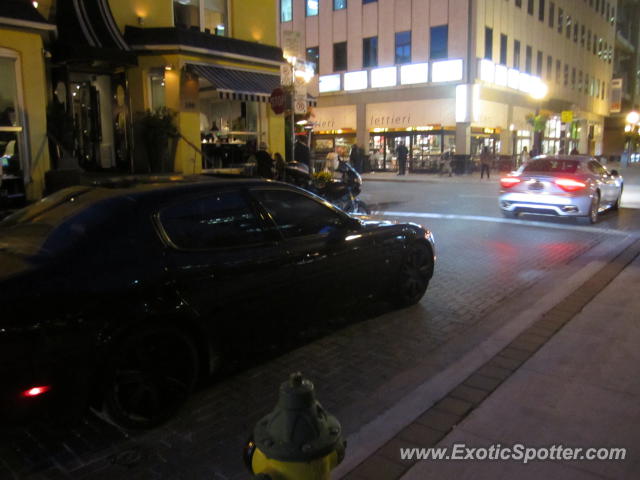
(538, 92)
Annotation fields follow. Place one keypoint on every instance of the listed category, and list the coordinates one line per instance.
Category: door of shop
(392, 143)
(87, 126)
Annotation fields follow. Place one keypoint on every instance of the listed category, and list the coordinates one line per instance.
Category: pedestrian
(301, 153)
(485, 162)
(524, 156)
(279, 165)
(446, 163)
(354, 157)
(401, 153)
(377, 160)
(331, 161)
(264, 161)
(574, 151)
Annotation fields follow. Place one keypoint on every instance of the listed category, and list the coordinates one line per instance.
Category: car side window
(596, 168)
(297, 215)
(224, 219)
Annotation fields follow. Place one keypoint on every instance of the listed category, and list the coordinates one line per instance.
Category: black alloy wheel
(414, 276)
(150, 375)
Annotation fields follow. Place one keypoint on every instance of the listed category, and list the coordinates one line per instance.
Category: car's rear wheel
(616, 205)
(149, 376)
(414, 276)
(594, 208)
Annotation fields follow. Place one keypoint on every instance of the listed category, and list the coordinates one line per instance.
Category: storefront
(22, 102)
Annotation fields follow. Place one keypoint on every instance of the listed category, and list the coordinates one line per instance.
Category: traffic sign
(277, 100)
(300, 105)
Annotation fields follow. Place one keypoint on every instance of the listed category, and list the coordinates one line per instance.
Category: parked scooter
(342, 190)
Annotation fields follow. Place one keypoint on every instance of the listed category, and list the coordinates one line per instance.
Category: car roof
(579, 158)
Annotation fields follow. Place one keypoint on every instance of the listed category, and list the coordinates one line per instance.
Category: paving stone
(420, 435)
(504, 362)
(439, 420)
(378, 467)
(452, 405)
(493, 371)
(519, 355)
(469, 394)
(391, 450)
(482, 382)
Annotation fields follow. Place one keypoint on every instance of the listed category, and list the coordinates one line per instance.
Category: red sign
(277, 100)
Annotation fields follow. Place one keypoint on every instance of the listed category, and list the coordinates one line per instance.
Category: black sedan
(125, 297)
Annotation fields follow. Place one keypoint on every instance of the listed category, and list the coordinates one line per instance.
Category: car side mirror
(614, 173)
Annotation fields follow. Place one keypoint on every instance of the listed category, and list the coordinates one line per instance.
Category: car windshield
(551, 165)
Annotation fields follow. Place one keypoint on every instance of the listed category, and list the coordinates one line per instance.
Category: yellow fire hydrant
(298, 440)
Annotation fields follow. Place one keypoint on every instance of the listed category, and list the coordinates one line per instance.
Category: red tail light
(508, 182)
(570, 185)
(35, 391)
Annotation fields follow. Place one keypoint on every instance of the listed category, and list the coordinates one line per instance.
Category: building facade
(457, 75)
(626, 81)
(80, 77)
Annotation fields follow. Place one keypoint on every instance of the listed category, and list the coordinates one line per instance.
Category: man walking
(401, 154)
(485, 162)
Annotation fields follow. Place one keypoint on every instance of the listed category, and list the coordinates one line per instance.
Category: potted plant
(160, 135)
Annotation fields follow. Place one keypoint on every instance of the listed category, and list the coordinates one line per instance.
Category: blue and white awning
(242, 85)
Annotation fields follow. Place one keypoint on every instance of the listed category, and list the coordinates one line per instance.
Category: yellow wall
(29, 48)
(254, 21)
(155, 13)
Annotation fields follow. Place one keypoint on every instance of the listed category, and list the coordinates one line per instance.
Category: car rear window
(551, 165)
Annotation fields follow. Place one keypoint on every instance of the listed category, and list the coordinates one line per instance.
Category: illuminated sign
(446, 71)
(384, 77)
(414, 73)
(513, 79)
(501, 75)
(329, 83)
(355, 80)
(487, 71)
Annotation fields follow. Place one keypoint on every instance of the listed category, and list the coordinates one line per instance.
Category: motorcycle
(341, 191)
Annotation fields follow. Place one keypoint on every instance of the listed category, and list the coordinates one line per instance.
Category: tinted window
(339, 56)
(596, 168)
(403, 47)
(216, 221)
(552, 165)
(297, 215)
(370, 52)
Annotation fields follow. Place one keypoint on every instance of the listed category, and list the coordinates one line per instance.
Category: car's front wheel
(149, 376)
(413, 279)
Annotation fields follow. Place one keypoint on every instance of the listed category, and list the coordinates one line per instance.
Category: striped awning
(239, 84)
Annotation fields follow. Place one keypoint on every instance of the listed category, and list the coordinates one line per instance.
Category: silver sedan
(561, 185)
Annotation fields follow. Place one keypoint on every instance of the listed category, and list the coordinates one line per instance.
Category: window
(156, 88)
(580, 81)
(528, 59)
(560, 20)
(208, 15)
(573, 78)
(558, 71)
(503, 49)
(221, 220)
(370, 52)
(568, 30)
(11, 127)
(539, 64)
(286, 11)
(566, 75)
(519, 3)
(368, 1)
(588, 40)
(552, 14)
(516, 54)
(541, 8)
(530, 7)
(488, 43)
(339, 4)
(313, 56)
(297, 215)
(551, 165)
(186, 13)
(549, 67)
(311, 8)
(575, 32)
(403, 47)
(339, 56)
(439, 42)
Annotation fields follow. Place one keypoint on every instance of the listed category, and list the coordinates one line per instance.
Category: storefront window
(156, 85)
(215, 16)
(10, 125)
(286, 11)
(205, 15)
